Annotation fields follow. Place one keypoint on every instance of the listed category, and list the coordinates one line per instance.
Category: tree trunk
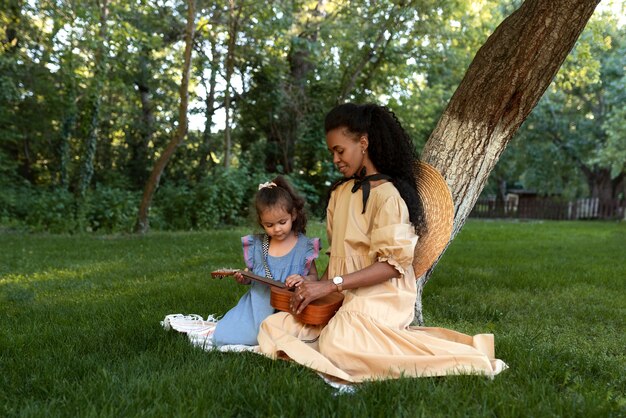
(139, 159)
(209, 110)
(300, 67)
(619, 186)
(69, 120)
(142, 224)
(500, 202)
(67, 129)
(601, 185)
(508, 75)
(89, 155)
(233, 28)
(283, 132)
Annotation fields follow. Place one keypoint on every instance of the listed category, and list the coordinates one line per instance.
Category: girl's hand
(294, 280)
(240, 279)
(308, 291)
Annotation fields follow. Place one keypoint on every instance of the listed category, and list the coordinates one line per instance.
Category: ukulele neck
(262, 279)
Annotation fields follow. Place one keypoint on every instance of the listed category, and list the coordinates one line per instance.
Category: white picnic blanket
(200, 332)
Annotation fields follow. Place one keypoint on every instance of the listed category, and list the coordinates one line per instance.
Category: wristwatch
(338, 281)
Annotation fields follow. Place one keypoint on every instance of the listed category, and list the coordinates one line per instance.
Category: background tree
(153, 181)
(208, 60)
(575, 132)
(95, 92)
(506, 79)
(290, 63)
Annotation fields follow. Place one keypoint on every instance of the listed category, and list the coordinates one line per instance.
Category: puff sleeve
(248, 243)
(393, 238)
(312, 253)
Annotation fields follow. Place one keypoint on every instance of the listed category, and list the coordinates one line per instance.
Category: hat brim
(439, 215)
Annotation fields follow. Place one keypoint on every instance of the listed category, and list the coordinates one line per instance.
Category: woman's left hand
(307, 291)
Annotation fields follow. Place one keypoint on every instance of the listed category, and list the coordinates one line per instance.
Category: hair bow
(267, 184)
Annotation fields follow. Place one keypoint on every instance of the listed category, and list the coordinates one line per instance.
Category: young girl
(289, 255)
(373, 217)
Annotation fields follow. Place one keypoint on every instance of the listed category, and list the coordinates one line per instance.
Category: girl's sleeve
(312, 252)
(248, 243)
(393, 237)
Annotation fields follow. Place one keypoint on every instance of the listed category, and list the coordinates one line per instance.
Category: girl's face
(348, 153)
(276, 222)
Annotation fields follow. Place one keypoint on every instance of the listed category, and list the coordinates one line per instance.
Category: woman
(373, 217)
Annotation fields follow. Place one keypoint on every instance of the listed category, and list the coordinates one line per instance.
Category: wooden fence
(551, 208)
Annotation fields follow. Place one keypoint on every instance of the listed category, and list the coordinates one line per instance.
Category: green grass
(80, 332)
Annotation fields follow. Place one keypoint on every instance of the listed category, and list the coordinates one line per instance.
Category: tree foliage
(287, 63)
(574, 142)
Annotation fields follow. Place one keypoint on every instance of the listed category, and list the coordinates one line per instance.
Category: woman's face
(347, 151)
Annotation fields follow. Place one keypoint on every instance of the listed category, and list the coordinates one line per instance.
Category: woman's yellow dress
(370, 337)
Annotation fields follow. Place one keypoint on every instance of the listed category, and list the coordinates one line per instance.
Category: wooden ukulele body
(317, 312)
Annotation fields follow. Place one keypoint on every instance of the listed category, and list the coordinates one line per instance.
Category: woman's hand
(240, 279)
(308, 291)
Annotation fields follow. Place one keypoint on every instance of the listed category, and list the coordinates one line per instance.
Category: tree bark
(300, 67)
(142, 224)
(86, 172)
(69, 119)
(209, 110)
(508, 75)
(233, 30)
(601, 185)
(286, 121)
(139, 147)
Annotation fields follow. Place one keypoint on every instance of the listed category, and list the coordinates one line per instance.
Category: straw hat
(439, 213)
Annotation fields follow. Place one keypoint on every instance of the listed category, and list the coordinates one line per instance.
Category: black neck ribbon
(361, 181)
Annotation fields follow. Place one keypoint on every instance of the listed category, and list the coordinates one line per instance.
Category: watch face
(338, 280)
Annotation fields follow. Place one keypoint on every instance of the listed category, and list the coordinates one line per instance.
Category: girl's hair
(390, 149)
(284, 195)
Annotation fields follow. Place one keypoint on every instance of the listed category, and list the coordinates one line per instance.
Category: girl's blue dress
(241, 324)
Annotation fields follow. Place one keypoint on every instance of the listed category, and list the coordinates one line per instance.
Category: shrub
(223, 198)
(57, 210)
(51, 210)
(175, 206)
(110, 209)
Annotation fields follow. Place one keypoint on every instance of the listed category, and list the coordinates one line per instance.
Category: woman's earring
(363, 152)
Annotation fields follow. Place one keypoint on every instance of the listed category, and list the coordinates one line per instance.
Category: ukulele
(317, 312)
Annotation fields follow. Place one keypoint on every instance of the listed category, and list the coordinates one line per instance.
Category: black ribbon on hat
(361, 181)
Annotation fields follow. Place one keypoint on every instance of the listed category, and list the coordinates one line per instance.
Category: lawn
(80, 332)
